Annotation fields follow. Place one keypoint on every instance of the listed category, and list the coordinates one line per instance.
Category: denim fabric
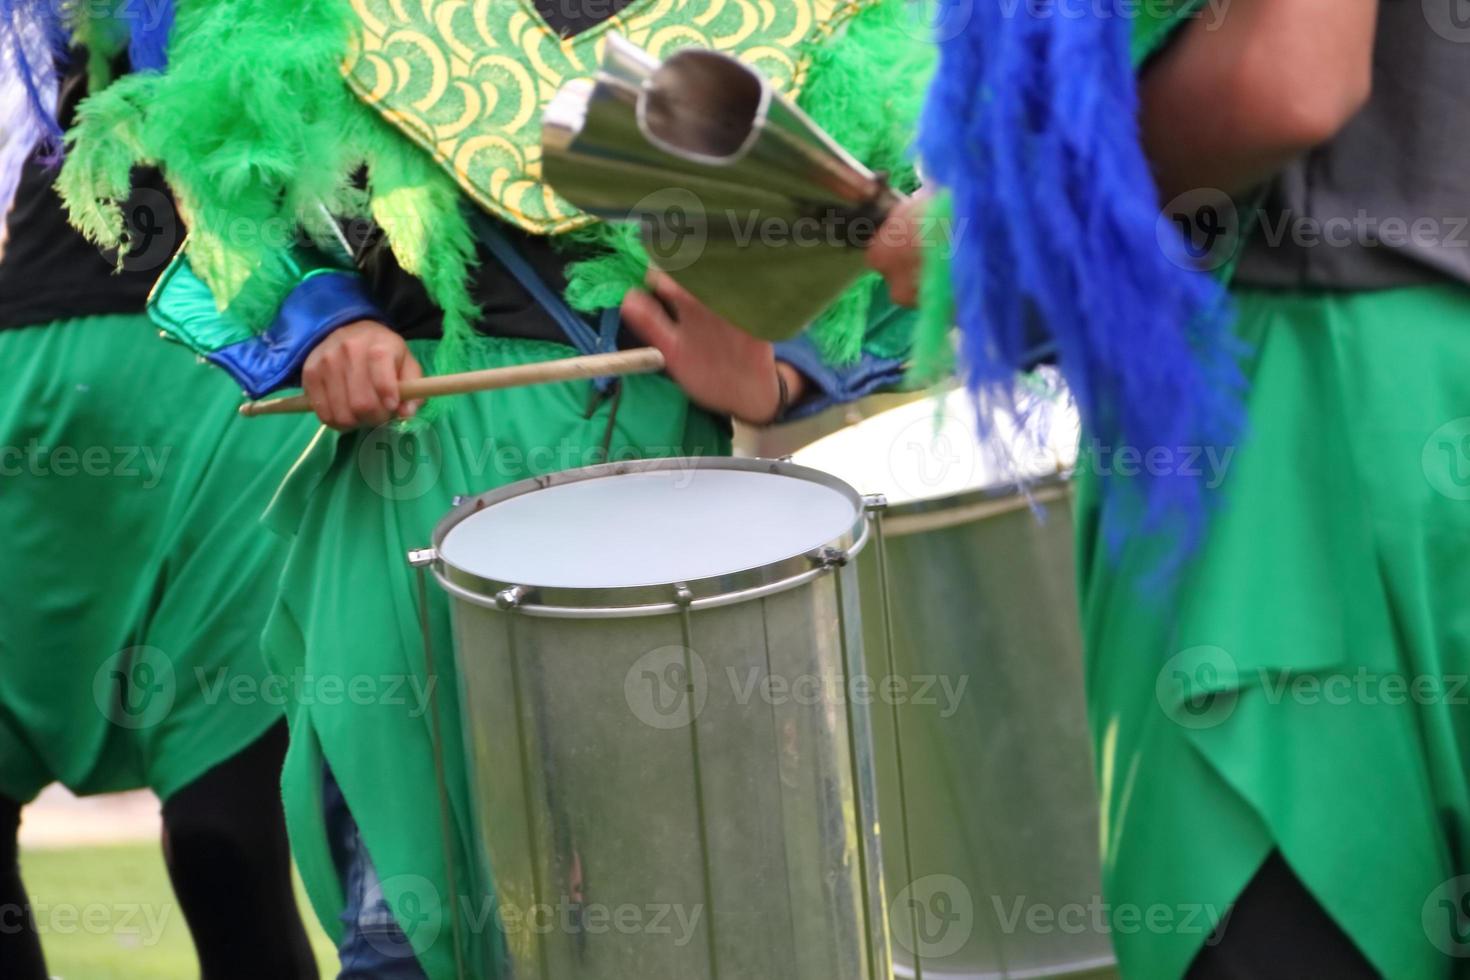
(373, 946)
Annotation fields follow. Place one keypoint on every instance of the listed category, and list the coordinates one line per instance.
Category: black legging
(1278, 931)
(224, 840)
(20, 946)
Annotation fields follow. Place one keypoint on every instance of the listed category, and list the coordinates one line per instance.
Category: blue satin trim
(832, 385)
(322, 303)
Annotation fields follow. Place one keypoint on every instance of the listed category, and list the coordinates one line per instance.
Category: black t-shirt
(507, 309)
(48, 271)
(571, 17)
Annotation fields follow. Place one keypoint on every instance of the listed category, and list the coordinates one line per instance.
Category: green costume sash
(1257, 708)
(467, 81)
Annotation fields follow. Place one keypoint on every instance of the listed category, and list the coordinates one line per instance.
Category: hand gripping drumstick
(642, 360)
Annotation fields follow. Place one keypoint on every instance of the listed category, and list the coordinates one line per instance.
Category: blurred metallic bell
(742, 198)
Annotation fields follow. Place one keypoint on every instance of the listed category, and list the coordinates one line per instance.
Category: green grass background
(108, 913)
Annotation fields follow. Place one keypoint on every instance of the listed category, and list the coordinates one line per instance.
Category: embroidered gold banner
(467, 79)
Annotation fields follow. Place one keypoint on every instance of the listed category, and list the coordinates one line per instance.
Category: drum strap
(578, 331)
(612, 417)
(446, 823)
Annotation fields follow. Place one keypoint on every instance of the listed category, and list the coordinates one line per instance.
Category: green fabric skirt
(136, 576)
(347, 624)
(1305, 690)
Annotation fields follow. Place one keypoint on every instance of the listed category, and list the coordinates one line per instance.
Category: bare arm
(1236, 98)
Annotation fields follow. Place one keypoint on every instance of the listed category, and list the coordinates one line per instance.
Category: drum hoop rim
(935, 513)
(715, 601)
(659, 598)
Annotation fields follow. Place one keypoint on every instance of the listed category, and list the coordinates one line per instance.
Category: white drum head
(655, 527)
(931, 449)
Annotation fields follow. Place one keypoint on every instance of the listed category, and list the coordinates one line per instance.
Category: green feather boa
(259, 136)
(933, 359)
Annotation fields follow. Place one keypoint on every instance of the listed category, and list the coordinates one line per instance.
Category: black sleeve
(48, 271)
(507, 309)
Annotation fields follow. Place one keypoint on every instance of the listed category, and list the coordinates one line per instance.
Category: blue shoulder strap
(578, 331)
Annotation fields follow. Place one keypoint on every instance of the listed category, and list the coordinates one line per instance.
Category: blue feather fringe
(35, 42)
(33, 46)
(1032, 125)
(148, 36)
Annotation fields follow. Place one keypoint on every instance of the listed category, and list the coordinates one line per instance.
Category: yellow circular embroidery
(467, 79)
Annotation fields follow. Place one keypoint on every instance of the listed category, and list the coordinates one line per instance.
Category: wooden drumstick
(641, 360)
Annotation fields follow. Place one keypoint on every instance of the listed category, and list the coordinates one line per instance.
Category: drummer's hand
(352, 377)
(721, 367)
(897, 250)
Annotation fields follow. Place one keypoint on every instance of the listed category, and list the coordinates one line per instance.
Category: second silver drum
(987, 799)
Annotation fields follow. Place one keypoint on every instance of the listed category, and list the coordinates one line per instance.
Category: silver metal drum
(655, 800)
(986, 790)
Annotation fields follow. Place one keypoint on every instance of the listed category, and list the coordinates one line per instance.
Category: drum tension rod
(422, 557)
(830, 557)
(511, 598)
